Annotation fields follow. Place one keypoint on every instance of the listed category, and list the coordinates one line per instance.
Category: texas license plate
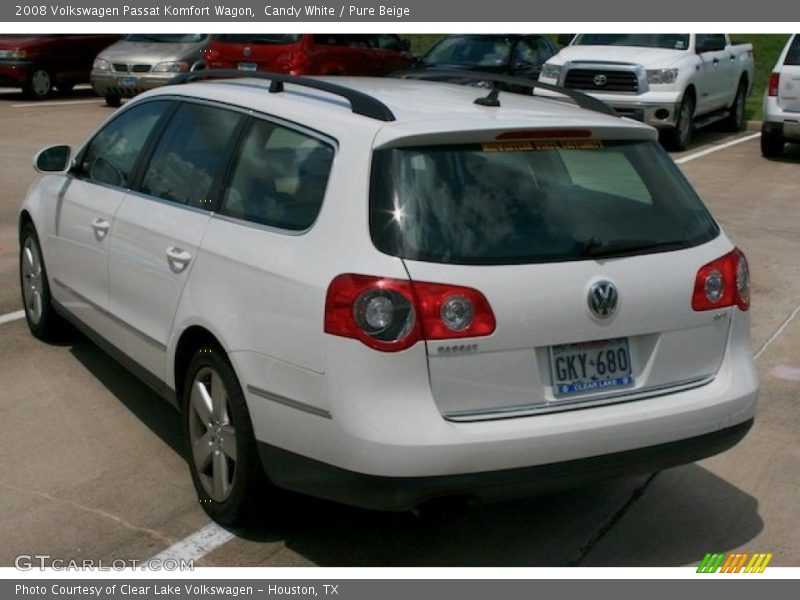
(247, 66)
(590, 366)
(126, 81)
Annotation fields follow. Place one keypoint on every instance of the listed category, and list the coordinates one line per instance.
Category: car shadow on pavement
(140, 400)
(671, 519)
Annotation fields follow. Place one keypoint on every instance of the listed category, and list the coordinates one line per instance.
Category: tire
(771, 145)
(43, 321)
(679, 137)
(221, 449)
(113, 101)
(735, 121)
(39, 84)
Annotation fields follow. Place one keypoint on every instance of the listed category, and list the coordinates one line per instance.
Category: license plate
(590, 366)
(126, 81)
(248, 66)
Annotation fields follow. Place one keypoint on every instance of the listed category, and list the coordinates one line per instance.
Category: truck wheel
(735, 121)
(39, 84)
(771, 145)
(223, 456)
(680, 136)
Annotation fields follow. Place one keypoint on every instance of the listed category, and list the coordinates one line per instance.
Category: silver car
(140, 62)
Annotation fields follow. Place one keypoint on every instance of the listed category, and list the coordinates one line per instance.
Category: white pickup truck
(676, 82)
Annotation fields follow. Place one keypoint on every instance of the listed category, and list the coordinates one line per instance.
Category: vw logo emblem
(246, 51)
(600, 80)
(603, 299)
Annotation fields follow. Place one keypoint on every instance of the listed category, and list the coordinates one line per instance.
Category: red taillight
(774, 82)
(723, 282)
(394, 314)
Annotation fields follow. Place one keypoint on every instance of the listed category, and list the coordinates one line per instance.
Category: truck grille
(599, 80)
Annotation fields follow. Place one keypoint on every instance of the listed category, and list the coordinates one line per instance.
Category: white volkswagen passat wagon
(382, 291)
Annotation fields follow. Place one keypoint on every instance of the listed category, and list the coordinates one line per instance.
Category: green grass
(766, 46)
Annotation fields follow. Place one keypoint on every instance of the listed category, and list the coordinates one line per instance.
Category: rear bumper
(14, 73)
(778, 121)
(301, 474)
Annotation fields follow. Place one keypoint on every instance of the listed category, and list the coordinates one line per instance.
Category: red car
(39, 63)
(310, 54)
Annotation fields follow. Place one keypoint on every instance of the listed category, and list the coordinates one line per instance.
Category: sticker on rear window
(542, 145)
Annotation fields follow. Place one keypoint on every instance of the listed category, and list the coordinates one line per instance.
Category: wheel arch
(191, 338)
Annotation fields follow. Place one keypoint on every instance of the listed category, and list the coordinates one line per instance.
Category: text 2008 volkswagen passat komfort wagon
(382, 291)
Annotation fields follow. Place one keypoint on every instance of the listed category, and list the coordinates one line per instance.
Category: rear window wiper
(595, 248)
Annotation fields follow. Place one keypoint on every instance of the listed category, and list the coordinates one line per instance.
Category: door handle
(101, 227)
(716, 61)
(178, 258)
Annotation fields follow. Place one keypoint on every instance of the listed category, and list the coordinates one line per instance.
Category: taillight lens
(394, 314)
(774, 82)
(723, 282)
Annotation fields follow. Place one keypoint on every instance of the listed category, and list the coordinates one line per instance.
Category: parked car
(40, 63)
(511, 54)
(398, 296)
(781, 123)
(140, 62)
(676, 82)
(310, 54)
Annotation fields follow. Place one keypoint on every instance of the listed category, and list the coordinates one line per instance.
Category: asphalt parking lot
(93, 465)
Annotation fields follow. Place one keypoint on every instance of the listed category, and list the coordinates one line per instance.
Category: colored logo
(734, 562)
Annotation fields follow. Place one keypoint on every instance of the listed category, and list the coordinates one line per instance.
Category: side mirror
(710, 45)
(564, 39)
(54, 159)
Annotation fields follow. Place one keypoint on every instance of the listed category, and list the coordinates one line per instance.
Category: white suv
(382, 291)
(782, 102)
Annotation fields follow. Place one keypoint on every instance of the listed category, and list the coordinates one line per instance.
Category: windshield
(529, 202)
(167, 38)
(259, 38)
(477, 50)
(673, 41)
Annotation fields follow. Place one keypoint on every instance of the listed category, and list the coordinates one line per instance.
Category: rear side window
(111, 155)
(530, 202)
(793, 56)
(189, 155)
(279, 177)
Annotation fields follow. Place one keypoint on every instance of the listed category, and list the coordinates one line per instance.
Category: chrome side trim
(527, 410)
(116, 319)
(320, 412)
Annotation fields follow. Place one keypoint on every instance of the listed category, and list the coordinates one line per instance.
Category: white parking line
(716, 148)
(197, 545)
(56, 103)
(14, 316)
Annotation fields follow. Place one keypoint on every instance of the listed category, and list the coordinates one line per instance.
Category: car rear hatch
(587, 251)
(789, 85)
(255, 52)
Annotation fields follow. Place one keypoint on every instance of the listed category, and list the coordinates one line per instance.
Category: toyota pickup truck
(676, 82)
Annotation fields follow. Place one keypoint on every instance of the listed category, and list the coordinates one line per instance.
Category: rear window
(793, 56)
(529, 202)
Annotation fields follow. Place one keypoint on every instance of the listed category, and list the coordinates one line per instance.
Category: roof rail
(582, 100)
(360, 103)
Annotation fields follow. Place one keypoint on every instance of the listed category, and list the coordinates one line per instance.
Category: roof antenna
(275, 86)
(490, 99)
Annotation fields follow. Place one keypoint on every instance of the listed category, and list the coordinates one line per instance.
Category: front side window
(190, 154)
(532, 202)
(279, 177)
(111, 155)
